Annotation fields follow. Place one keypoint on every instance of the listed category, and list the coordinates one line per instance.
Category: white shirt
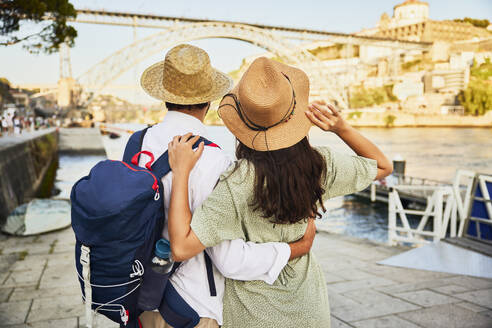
(235, 259)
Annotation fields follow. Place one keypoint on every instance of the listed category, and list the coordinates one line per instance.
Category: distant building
(411, 22)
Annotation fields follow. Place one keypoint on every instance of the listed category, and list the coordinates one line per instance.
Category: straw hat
(265, 111)
(185, 77)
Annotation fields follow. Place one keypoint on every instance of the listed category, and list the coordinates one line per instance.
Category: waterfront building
(410, 21)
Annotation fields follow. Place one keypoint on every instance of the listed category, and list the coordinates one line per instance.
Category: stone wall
(23, 167)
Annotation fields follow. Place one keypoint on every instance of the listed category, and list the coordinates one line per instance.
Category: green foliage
(389, 91)
(483, 23)
(477, 97)
(408, 65)
(54, 31)
(354, 115)
(482, 72)
(5, 96)
(362, 97)
(389, 120)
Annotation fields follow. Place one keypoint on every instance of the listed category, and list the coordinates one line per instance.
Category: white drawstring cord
(138, 271)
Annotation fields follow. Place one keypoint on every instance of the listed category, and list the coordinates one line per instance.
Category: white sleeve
(240, 260)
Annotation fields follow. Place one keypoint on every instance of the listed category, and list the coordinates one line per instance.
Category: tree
(483, 23)
(477, 97)
(51, 15)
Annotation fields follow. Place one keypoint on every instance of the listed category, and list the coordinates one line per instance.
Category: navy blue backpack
(117, 217)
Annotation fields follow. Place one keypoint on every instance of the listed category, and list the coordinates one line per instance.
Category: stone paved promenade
(7, 141)
(38, 287)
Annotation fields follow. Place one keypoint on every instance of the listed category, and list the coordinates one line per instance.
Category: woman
(278, 182)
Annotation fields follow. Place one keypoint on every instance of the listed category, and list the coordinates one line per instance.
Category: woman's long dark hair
(288, 182)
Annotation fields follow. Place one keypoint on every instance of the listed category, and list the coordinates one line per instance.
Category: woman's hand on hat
(182, 156)
(326, 117)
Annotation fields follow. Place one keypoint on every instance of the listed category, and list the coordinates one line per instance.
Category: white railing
(445, 205)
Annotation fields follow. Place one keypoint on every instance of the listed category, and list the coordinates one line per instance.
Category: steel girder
(113, 66)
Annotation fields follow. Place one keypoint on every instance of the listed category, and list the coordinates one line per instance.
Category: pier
(39, 288)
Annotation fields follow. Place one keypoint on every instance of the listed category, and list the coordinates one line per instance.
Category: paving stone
(447, 316)
(332, 278)
(480, 297)
(12, 313)
(55, 308)
(371, 310)
(403, 275)
(335, 323)
(487, 313)
(367, 296)
(426, 298)
(333, 264)
(354, 274)
(31, 263)
(51, 302)
(28, 293)
(5, 293)
(342, 287)
(100, 321)
(23, 278)
(450, 289)
(63, 259)
(59, 276)
(29, 248)
(385, 322)
(60, 323)
(471, 283)
(400, 288)
(6, 262)
(337, 300)
(3, 277)
(472, 307)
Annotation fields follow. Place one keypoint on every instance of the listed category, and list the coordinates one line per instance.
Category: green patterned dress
(298, 298)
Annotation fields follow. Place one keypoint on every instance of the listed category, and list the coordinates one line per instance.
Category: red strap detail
(149, 163)
(139, 323)
(213, 145)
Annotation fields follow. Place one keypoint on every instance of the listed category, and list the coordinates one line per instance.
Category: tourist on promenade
(278, 182)
(187, 82)
(10, 123)
(17, 124)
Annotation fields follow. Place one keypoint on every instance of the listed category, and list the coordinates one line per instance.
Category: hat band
(252, 125)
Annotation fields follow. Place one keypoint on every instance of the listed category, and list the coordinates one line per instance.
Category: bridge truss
(285, 43)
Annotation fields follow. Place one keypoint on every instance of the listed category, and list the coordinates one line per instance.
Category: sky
(96, 42)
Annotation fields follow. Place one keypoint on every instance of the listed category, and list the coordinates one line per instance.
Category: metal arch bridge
(277, 40)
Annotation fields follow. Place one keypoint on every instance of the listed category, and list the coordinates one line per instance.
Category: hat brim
(151, 82)
(281, 136)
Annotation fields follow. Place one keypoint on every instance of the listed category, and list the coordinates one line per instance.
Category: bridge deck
(132, 17)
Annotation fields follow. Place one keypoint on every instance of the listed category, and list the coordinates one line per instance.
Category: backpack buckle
(85, 255)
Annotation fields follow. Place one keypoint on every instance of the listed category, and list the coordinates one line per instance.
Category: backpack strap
(134, 145)
(210, 274)
(161, 166)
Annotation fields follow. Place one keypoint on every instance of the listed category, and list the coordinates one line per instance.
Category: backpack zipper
(155, 186)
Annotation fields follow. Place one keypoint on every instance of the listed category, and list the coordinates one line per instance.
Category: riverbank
(396, 119)
(39, 287)
(406, 119)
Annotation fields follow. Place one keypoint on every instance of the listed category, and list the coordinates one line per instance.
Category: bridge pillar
(68, 92)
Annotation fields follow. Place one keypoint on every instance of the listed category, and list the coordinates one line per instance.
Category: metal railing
(446, 205)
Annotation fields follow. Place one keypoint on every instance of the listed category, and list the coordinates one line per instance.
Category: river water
(432, 153)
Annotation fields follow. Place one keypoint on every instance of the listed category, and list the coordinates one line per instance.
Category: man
(186, 81)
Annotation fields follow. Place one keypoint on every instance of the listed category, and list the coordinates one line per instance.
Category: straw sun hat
(185, 77)
(265, 111)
